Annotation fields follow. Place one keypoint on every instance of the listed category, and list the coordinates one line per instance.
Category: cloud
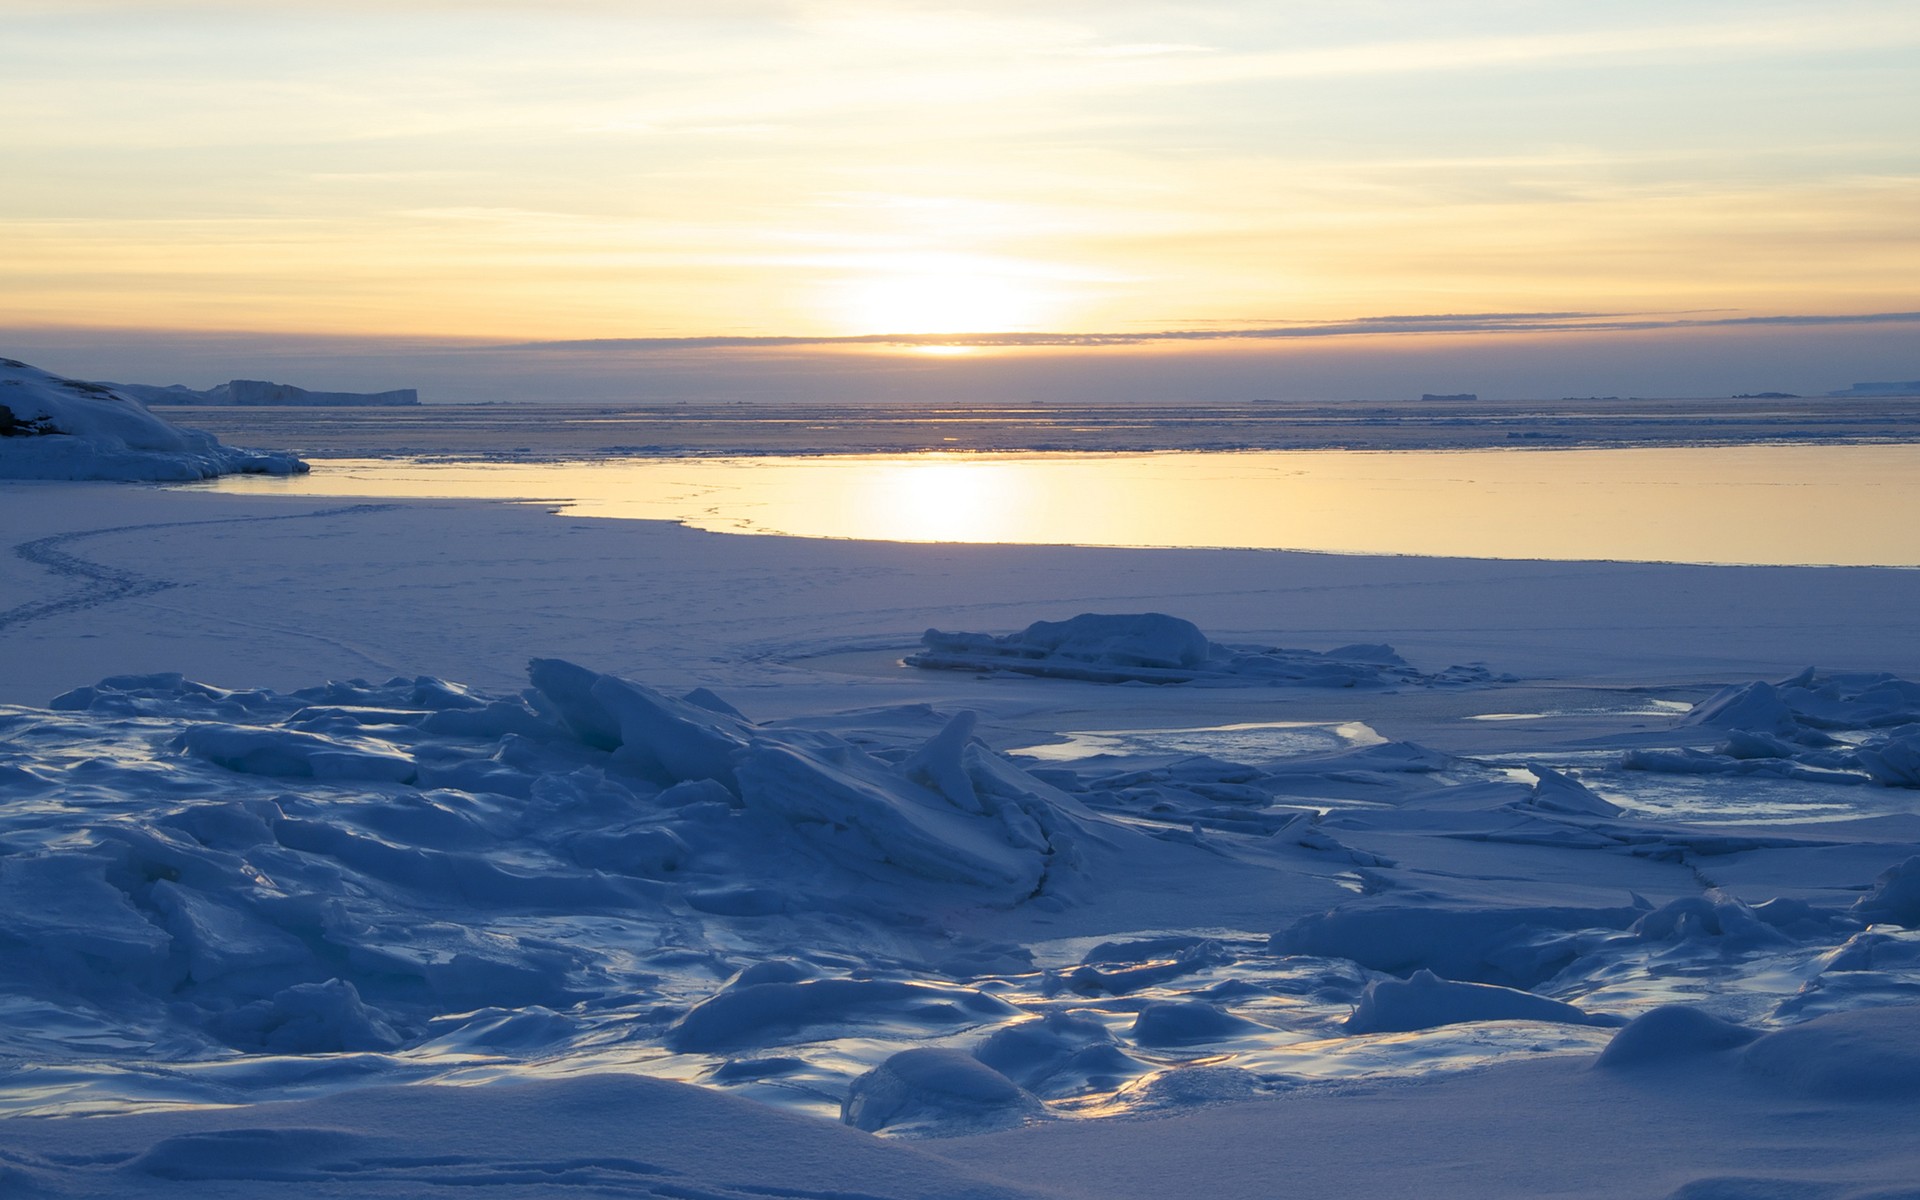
(1439, 323)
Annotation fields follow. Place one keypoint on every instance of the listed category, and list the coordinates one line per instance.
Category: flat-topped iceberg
(57, 428)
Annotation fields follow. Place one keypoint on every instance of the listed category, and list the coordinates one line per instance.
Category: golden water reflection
(1844, 505)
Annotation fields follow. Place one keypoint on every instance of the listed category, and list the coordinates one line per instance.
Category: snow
(56, 428)
(938, 1088)
(1424, 1000)
(1784, 729)
(1894, 896)
(1157, 648)
(380, 849)
(1669, 1033)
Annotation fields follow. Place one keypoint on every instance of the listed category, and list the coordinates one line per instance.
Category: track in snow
(99, 583)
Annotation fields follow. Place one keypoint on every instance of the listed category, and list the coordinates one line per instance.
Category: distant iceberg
(258, 393)
(57, 428)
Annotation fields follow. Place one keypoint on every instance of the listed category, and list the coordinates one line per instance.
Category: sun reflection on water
(1703, 505)
(943, 500)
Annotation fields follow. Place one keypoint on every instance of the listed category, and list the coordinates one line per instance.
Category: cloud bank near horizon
(1499, 356)
(1441, 323)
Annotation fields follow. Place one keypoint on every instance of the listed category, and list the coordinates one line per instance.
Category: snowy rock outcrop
(57, 428)
(1157, 648)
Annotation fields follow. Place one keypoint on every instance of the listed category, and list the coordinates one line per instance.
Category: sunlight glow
(934, 499)
(1562, 504)
(598, 170)
(939, 294)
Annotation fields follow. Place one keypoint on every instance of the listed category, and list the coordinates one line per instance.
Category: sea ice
(232, 896)
(1157, 648)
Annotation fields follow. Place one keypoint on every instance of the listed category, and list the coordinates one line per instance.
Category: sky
(1231, 196)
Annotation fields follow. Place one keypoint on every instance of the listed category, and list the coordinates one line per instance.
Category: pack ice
(214, 895)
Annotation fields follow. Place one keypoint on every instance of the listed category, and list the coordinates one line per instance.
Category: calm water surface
(1842, 505)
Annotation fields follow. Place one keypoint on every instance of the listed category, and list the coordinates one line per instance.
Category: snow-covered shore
(1206, 905)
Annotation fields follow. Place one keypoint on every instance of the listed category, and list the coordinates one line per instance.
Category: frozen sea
(354, 844)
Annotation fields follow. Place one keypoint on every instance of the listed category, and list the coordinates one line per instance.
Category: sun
(919, 296)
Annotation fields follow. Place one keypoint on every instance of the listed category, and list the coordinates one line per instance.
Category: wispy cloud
(519, 170)
(1445, 323)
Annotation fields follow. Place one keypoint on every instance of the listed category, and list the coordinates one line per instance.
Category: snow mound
(1060, 1054)
(1401, 933)
(308, 1018)
(1426, 1001)
(1865, 1055)
(1187, 1023)
(929, 1090)
(757, 1013)
(1157, 648)
(1670, 1032)
(57, 428)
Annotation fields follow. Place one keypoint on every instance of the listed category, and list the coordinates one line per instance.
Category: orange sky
(596, 170)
